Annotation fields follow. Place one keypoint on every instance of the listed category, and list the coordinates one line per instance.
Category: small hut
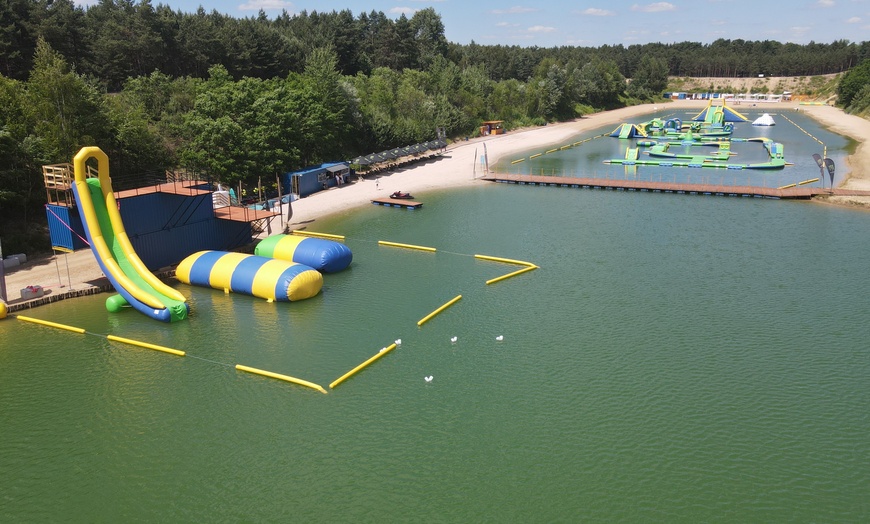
(491, 127)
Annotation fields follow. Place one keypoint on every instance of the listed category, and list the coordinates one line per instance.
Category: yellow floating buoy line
(509, 275)
(810, 181)
(406, 246)
(362, 366)
(155, 347)
(787, 186)
(278, 376)
(505, 260)
(171, 351)
(51, 324)
(824, 147)
(528, 267)
(561, 148)
(304, 233)
(439, 310)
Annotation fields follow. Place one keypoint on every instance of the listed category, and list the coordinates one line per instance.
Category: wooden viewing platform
(397, 202)
(795, 192)
(243, 214)
(182, 187)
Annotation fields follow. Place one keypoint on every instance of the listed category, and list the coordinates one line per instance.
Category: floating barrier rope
(528, 266)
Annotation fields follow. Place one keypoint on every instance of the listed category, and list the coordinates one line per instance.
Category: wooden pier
(397, 202)
(795, 192)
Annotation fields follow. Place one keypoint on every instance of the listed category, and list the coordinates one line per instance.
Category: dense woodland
(159, 89)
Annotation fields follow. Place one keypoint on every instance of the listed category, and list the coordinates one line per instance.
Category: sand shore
(456, 167)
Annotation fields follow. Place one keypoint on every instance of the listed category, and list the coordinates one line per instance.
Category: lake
(674, 358)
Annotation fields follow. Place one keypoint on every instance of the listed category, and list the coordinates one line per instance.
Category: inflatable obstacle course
(625, 131)
(719, 113)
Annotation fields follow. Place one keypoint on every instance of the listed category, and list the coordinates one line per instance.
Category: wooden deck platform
(183, 187)
(189, 188)
(397, 202)
(243, 214)
(797, 192)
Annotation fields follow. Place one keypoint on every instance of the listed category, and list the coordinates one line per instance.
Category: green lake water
(676, 358)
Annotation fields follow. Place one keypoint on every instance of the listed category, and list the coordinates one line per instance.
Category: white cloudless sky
(551, 23)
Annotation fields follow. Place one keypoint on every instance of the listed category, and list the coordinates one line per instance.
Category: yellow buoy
(509, 275)
(439, 310)
(303, 233)
(285, 378)
(51, 324)
(406, 246)
(362, 366)
(155, 347)
(3, 310)
(505, 260)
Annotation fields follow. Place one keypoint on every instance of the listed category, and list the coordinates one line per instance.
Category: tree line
(235, 99)
(117, 39)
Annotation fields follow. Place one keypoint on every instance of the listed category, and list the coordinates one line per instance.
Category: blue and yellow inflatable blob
(323, 255)
(262, 277)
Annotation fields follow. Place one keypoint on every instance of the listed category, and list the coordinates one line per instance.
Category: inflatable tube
(3, 310)
(261, 277)
(323, 255)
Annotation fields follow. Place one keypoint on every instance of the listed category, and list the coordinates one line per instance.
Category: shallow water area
(674, 358)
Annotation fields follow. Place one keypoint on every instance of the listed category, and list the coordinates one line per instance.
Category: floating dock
(793, 192)
(397, 202)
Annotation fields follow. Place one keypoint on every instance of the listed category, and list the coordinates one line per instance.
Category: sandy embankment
(856, 168)
(455, 168)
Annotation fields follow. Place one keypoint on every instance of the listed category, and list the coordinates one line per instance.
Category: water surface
(675, 358)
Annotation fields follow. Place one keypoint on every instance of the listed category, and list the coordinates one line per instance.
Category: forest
(237, 98)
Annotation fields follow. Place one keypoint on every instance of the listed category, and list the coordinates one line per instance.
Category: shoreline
(454, 168)
(70, 275)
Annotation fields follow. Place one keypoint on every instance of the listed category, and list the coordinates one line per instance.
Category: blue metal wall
(162, 248)
(163, 228)
(159, 211)
(65, 227)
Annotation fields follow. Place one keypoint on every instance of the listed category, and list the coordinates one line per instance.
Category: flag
(830, 165)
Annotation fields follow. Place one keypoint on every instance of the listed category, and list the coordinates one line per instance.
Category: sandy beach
(456, 167)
